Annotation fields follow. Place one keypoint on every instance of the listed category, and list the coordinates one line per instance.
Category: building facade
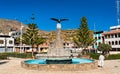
(99, 38)
(112, 37)
(6, 43)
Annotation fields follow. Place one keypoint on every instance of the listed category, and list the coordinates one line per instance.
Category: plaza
(13, 66)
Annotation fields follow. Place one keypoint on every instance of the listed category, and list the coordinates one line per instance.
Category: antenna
(118, 19)
(94, 28)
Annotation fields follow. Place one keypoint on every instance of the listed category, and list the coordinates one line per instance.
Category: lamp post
(21, 38)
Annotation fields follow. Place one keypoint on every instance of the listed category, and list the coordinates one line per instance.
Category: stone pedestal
(57, 51)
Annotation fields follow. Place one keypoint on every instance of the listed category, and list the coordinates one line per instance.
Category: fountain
(57, 58)
(57, 53)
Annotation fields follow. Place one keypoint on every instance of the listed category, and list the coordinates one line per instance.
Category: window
(67, 43)
(119, 35)
(1, 41)
(96, 44)
(99, 43)
(10, 42)
(109, 43)
(116, 43)
(99, 37)
(96, 38)
(119, 42)
(108, 36)
(111, 35)
(115, 35)
(64, 44)
(112, 42)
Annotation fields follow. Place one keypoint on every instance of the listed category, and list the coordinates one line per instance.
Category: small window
(96, 44)
(109, 43)
(112, 36)
(112, 42)
(99, 43)
(116, 43)
(119, 35)
(108, 36)
(1, 41)
(115, 35)
(67, 43)
(96, 38)
(10, 42)
(99, 37)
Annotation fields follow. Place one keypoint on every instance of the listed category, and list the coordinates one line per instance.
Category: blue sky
(102, 13)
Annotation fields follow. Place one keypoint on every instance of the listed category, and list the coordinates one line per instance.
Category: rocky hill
(7, 25)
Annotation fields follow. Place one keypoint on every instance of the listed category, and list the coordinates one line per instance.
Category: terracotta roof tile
(112, 32)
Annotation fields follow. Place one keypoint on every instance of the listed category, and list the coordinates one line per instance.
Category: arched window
(115, 35)
(109, 43)
(116, 43)
(112, 42)
(111, 35)
(108, 36)
(119, 42)
(119, 35)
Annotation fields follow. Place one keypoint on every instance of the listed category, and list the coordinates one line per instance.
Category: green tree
(83, 38)
(31, 37)
(105, 48)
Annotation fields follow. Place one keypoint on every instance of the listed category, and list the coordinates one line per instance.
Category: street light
(21, 38)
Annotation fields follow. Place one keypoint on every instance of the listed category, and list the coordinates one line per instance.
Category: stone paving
(13, 66)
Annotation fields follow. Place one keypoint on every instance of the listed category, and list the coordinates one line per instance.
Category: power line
(118, 19)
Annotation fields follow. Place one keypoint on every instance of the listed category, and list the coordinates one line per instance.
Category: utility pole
(118, 19)
(5, 44)
(21, 27)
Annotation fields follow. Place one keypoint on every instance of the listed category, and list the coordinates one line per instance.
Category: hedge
(110, 57)
(17, 55)
(113, 56)
(3, 56)
(94, 56)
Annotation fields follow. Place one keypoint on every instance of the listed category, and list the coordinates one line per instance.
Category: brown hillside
(7, 25)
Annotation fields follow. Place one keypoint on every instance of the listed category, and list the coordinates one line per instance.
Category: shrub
(94, 56)
(3, 56)
(110, 57)
(113, 56)
(18, 55)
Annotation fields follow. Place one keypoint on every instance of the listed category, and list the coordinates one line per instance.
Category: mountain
(8, 25)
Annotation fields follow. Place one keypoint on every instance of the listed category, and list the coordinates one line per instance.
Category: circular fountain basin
(75, 64)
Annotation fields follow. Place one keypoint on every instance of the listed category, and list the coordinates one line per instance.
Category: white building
(15, 33)
(112, 37)
(6, 43)
(99, 38)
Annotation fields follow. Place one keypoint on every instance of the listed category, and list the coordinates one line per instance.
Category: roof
(112, 32)
(4, 36)
(98, 32)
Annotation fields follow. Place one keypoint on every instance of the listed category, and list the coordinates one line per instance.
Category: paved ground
(13, 66)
